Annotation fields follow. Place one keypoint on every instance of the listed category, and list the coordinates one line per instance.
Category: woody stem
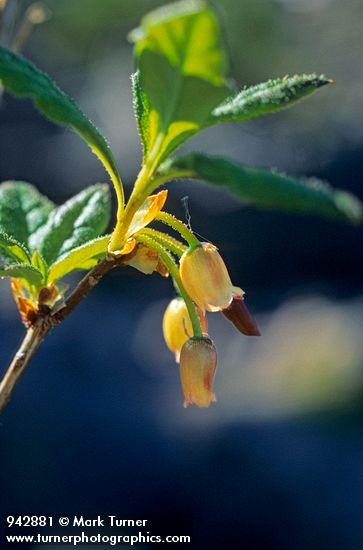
(33, 338)
(47, 319)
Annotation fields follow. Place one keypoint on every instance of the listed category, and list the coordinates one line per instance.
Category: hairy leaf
(83, 257)
(268, 97)
(22, 210)
(82, 218)
(142, 111)
(23, 79)
(268, 189)
(39, 262)
(10, 249)
(181, 74)
(23, 271)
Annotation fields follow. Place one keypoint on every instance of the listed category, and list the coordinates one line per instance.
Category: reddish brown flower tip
(198, 363)
(237, 313)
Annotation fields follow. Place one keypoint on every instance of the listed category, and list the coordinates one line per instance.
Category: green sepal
(80, 219)
(83, 257)
(268, 189)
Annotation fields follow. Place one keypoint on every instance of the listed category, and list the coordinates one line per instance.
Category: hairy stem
(168, 242)
(178, 226)
(174, 272)
(47, 319)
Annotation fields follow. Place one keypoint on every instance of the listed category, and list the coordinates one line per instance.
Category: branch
(33, 338)
(47, 319)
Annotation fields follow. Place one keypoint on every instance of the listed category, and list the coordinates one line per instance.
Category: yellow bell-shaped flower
(177, 326)
(198, 363)
(206, 279)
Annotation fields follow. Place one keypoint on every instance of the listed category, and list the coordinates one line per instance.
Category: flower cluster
(202, 281)
(206, 280)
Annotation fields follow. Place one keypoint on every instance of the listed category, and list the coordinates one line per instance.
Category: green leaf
(142, 111)
(181, 74)
(23, 271)
(10, 249)
(23, 79)
(22, 210)
(83, 257)
(39, 262)
(268, 189)
(268, 97)
(82, 218)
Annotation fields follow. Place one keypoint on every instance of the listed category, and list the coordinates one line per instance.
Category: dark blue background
(96, 425)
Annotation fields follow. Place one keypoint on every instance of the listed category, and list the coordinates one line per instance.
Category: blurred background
(97, 425)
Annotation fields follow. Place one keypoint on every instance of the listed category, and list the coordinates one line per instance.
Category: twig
(47, 319)
(33, 338)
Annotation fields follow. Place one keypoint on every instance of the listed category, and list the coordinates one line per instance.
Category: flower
(177, 326)
(240, 317)
(198, 363)
(147, 261)
(206, 279)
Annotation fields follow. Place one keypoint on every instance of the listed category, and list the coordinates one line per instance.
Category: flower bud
(240, 317)
(177, 326)
(198, 363)
(27, 308)
(206, 279)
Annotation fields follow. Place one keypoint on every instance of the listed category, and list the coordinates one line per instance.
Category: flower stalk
(174, 272)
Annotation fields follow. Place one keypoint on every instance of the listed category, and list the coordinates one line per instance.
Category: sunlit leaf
(181, 74)
(39, 262)
(268, 189)
(23, 79)
(12, 250)
(82, 218)
(83, 257)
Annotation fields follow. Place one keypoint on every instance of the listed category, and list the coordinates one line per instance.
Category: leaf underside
(268, 189)
(23, 271)
(23, 79)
